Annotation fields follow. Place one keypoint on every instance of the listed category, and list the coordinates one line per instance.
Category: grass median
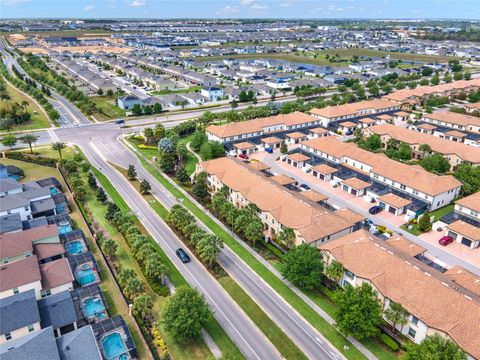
(330, 333)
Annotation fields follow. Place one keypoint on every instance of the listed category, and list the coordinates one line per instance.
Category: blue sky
(465, 9)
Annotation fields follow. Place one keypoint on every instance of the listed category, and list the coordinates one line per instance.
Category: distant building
(213, 93)
(128, 102)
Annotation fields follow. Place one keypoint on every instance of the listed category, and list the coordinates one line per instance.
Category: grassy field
(196, 349)
(107, 109)
(47, 151)
(38, 120)
(345, 55)
(179, 91)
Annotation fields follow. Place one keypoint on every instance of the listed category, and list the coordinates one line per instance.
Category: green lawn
(340, 342)
(38, 120)
(438, 214)
(107, 109)
(47, 151)
(197, 349)
(177, 91)
(191, 160)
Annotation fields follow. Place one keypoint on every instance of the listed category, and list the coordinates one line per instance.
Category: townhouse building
(331, 116)
(456, 153)
(463, 223)
(279, 207)
(436, 304)
(380, 176)
(256, 128)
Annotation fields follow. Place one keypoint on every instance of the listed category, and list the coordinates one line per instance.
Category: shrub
(143, 146)
(387, 340)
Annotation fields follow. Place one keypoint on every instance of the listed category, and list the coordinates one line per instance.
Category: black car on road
(375, 209)
(182, 255)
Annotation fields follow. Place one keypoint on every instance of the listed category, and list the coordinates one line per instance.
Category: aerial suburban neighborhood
(239, 180)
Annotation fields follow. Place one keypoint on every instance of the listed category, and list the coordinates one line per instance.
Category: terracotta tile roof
(464, 278)
(423, 292)
(244, 145)
(318, 130)
(298, 157)
(56, 273)
(313, 195)
(473, 105)
(470, 231)
(394, 200)
(258, 165)
(438, 145)
(257, 125)
(406, 246)
(367, 120)
(45, 251)
(401, 113)
(325, 169)
(454, 118)
(310, 219)
(356, 183)
(385, 117)
(353, 108)
(471, 201)
(413, 176)
(348, 124)
(271, 140)
(19, 273)
(283, 179)
(456, 133)
(426, 126)
(420, 91)
(296, 135)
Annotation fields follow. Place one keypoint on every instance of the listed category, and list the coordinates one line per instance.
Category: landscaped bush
(32, 159)
(143, 146)
(387, 340)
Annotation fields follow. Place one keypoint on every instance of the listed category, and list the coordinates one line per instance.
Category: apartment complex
(456, 153)
(279, 207)
(416, 96)
(354, 112)
(248, 130)
(436, 303)
(363, 173)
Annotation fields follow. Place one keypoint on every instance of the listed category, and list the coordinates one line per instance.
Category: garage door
(354, 192)
(392, 209)
(322, 177)
(466, 242)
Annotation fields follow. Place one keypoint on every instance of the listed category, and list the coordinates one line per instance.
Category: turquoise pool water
(93, 307)
(53, 191)
(85, 276)
(114, 347)
(63, 229)
(74, 247)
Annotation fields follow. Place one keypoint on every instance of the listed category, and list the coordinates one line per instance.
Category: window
(46, 293)
(8, 336)
(414, 320)
(15, 291)
(30, 328)
(411, 333)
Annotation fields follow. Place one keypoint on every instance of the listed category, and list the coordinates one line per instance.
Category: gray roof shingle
(79, 345)
(39, 345)
(18, 311)
(57, 310)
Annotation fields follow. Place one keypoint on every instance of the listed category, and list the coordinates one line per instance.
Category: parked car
(369, 223)
(304, 187)
(349, 132)
(269, 150)
(182, 255)
(375, 209)
(445, 240)
(243, 156)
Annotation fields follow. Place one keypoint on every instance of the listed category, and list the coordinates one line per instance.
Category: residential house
(128, 102)
(213, 93)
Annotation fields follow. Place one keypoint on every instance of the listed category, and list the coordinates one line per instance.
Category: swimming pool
(64, 227)
(93, 307)
(53, 191)
(74, 247)
(85, 275)
(113, 346)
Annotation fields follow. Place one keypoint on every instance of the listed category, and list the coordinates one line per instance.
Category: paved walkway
(193, 152)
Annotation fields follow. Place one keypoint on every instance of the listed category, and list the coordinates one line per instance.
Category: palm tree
(109, 248)
(29, 139)
(59, 146)
(334, 271)
(25, 104)
(208, 248)
(154, 267)
(397, 314)
(425, 148)
(133, 287)
(142, 306)
(287, 237)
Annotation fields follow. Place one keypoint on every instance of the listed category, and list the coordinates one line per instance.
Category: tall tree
(131, 172)
(9, 140)
(200, 188)
(435, 347)
(358, 311)
(254, 231)
(185, 313)
(154, 267)
(59, 146)
(109, 248)
(287, 237)
(396, 314)
(302, 266)
(29, 139)
(142, 306)
(145, 187)
(334, 271)
(208, 248)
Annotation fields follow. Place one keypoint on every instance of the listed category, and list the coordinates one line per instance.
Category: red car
(243, 156)
(444, 241)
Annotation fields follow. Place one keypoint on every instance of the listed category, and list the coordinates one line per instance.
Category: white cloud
(247, 2)
(257, 6)
(334, 8)
(89, 7)
(228, 10)
(136, 3)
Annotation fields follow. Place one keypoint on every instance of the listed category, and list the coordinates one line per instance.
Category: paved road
(242, 331)
(308, 339)
(442, 255)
